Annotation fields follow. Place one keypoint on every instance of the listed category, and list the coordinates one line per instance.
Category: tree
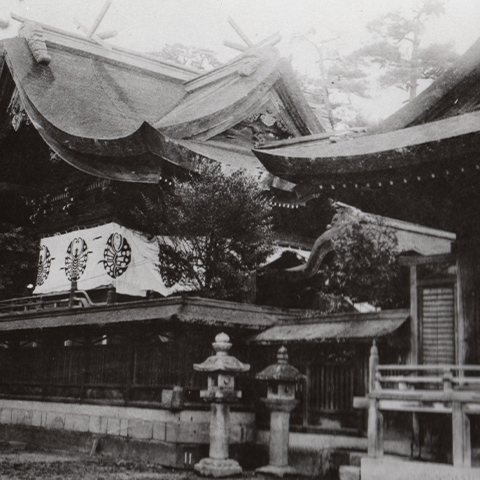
(189, 56)
(339, 80)
(398, 49)
(18, 260)
(364, 267)
(214, 229)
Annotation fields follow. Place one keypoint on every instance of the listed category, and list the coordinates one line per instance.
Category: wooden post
(372, 367)
(73, 289)
(111, 294)
(416, 447)
(306, 394)
(462, 456)
(447, 380)
(375, 430)
(467, 304)
(414, 351)
(375, 417)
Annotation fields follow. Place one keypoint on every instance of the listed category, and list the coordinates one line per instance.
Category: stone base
(394, 469)
(277, 471)
(212, 467)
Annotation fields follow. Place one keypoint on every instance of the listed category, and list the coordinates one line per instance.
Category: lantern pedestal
(282, 379)
(220, 368)
(218, 464)
(217, 467)
(279, 433)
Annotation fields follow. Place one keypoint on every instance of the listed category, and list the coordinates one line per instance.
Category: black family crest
(117, 255)
(76, 259)
(44, 264)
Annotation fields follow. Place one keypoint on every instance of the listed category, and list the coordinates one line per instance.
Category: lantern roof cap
(281, 371)
(221, 361)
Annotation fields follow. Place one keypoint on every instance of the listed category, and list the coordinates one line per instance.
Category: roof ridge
(130, 57)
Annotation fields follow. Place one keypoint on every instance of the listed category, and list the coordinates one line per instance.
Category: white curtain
(101, 256)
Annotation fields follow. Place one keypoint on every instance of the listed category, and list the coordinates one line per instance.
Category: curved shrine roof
(110, 116)
(407, 147)
(441, 123)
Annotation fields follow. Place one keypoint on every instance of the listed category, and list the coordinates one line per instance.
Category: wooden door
(437, 324)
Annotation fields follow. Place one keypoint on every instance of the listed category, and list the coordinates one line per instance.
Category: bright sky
(147, 25)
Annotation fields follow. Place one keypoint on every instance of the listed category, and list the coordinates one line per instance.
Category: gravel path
(18, 462)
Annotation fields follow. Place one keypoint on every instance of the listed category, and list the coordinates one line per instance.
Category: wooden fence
(447, 389)
(135, 370)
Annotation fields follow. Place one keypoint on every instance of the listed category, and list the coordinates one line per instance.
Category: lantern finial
(282, 355)
(222, 344)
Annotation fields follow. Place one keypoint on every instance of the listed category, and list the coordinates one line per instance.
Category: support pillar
(375, 430)
(461, 447)
(416, 448)
(375, 417)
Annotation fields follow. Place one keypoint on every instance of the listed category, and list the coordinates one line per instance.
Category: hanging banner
(99, 257)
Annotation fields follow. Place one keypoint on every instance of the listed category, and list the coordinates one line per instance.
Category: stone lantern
(281, 379)
(221, 369)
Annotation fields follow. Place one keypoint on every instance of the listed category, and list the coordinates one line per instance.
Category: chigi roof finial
(91, 32)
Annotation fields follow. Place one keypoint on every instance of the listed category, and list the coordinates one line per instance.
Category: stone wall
(186, 426)
(170, 438)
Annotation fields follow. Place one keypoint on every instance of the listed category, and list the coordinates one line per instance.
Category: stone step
(356, 458)
(348, 472)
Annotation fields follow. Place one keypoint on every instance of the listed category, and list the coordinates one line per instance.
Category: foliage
(364, 266)
(397, 48)
(339, 80)
(4, 24)
(189, 56)
(214, 229)
(18, 260)
(342, 85)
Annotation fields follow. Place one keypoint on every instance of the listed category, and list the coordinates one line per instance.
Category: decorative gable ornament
(33, 34)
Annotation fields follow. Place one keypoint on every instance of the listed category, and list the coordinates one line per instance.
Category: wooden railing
(448, 389)
(49, 301)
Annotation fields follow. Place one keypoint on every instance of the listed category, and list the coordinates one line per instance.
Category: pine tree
(398, 49)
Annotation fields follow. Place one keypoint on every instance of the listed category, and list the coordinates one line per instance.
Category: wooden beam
(361, 402)
(428, 259)
(100, 17)
(94, 37)
(472, 408)
(234, 46)
(412, 406)
(423, 368)
(107, 34)
(239, 31)
(467, 396)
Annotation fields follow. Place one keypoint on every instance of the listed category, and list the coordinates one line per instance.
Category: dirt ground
(19, 462)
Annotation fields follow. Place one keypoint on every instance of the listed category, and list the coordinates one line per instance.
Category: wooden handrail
(443, 389)
(469, 368)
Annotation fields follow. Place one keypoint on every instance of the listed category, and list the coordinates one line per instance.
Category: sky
(148, 25)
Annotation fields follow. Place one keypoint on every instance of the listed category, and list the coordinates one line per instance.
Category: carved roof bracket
(33, 33)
